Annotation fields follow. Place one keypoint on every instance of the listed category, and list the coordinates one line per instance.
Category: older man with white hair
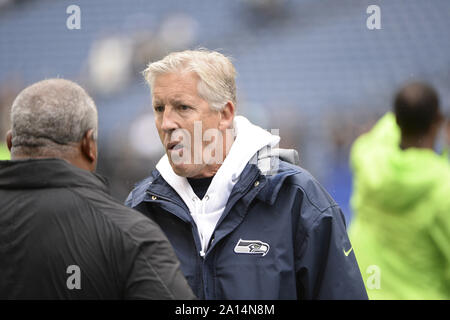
(244, 223)
(61, 235)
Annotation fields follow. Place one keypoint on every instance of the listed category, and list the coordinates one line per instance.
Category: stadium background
(310, 68)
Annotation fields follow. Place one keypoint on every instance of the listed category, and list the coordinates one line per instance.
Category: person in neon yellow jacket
(401, 201)
(4, 152)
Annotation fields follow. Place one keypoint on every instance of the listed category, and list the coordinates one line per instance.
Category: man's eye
(159, 108)
(184, 107)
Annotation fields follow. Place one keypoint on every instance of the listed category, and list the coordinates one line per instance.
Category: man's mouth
(173, 146)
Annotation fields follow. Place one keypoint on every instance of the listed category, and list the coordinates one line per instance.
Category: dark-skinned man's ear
(89, 146)
(9, 140)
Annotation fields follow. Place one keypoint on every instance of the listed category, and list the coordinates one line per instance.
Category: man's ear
(89, 146)
(227, 116)
(9, 140)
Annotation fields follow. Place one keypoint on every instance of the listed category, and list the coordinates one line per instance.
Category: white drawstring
(202, 212)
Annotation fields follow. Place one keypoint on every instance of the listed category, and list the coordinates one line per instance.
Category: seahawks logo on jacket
(252, 247)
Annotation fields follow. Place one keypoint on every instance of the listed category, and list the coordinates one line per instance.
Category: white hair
(51, 114)
(217, 83)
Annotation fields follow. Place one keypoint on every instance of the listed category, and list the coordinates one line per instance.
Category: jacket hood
(381, 169)
(45, 173)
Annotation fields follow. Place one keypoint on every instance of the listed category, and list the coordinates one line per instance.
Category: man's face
(177, 107)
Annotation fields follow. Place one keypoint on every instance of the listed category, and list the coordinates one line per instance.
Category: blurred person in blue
(245, 223)
(401, 201)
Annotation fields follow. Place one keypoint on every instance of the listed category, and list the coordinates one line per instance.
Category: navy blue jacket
(281, 236)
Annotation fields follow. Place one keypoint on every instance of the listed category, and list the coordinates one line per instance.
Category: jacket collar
(269, 186)
(160, 187)
(156, 185)
(272, 183)
(47, 173)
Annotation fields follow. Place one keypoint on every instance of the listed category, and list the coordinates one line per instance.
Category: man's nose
(168, 121)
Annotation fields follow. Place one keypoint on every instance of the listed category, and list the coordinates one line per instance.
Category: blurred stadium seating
(310, 68)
